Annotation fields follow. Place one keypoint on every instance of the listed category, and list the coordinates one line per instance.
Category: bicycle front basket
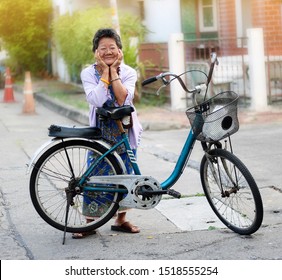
(215, 118)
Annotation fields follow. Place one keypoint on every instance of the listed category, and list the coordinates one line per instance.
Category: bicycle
(71, 167)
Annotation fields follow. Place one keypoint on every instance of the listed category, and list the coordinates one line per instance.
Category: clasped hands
(105, 67)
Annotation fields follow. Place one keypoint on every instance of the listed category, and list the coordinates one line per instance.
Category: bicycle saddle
(115, 113)
(87, 132)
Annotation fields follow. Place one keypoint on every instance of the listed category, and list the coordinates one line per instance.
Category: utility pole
(115, 20)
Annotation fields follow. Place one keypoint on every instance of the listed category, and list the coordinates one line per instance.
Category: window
(207, 15)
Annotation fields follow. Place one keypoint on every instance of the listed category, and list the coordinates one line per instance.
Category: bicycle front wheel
(54, 177)
(231, 191)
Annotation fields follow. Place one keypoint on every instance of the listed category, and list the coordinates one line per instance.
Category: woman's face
(108, 50)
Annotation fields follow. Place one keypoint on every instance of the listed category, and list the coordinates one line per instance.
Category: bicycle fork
(217, 173)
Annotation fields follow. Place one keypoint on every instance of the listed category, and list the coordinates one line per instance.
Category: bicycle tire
(231, 191)
(52, 174)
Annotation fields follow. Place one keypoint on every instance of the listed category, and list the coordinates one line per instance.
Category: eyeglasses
(107, 50)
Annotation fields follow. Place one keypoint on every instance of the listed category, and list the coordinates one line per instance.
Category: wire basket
(215, 118)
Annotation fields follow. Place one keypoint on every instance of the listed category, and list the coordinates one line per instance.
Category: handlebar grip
(213, 57)
(149, 81)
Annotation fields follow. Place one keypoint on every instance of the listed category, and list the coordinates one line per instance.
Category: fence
(232, 73)
(274, 68)
(233, 70)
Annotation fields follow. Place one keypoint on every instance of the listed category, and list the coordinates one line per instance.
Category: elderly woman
(109, 82)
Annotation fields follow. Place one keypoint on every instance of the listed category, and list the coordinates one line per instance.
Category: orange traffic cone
(9, 91)
(29, 104)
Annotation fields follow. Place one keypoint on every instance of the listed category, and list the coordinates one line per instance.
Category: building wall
(162, 17)
(265, 14)
(227, 18)
(268, 16)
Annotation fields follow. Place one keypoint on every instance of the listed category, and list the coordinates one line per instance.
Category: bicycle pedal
(174, 193)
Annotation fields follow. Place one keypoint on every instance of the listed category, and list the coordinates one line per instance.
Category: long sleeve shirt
(97, 94)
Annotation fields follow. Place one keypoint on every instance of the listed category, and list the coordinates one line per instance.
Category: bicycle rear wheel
(231, 191)
(54, 177)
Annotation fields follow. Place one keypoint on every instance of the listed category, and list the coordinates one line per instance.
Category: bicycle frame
(168, 183)
(183, 157)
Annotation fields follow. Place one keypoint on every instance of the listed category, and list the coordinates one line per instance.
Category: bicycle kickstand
(69, 203)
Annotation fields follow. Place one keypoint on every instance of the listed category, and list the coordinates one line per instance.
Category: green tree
(132, 34)
(74, 33)
(24, 29)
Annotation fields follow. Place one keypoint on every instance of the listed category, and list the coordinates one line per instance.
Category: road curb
(62, 109)
(82, 117)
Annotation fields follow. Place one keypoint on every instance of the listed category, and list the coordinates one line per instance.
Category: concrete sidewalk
(23, 134)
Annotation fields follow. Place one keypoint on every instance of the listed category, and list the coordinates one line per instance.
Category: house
(207, 25)
(213, 19)
(216, 25)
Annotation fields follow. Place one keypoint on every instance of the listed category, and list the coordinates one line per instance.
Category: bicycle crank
(144, 192)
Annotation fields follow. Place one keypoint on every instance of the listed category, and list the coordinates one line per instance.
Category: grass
(76, 101)
(69, 94)
(74, 95)
(151, 100)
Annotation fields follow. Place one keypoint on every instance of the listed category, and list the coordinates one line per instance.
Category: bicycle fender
(44, 147)
(52, 142)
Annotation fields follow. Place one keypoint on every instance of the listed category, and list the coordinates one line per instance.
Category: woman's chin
(109, 62)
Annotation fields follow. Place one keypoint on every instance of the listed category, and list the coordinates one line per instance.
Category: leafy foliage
(24, 30)
(74, 33)
(73, 36)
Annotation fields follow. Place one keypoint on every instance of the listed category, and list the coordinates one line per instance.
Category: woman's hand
(118, 61)
(100, 63)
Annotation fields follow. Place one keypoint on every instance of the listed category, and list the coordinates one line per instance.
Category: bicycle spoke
(231, 191)
(53, 178)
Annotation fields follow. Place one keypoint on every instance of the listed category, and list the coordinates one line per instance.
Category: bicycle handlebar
(197, 89)
(149, 81)
(162, 76)
(213, 62)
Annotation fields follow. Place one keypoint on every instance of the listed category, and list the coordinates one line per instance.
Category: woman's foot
(80, 235)
(125, 227)
(121, 224)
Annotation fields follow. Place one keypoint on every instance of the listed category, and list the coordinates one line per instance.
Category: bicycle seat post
(120, 126)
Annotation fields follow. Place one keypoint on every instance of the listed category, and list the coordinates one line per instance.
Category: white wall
(63, 5)
(162, 17)
(3, 55)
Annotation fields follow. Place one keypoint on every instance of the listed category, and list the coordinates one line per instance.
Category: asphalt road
(166, 232)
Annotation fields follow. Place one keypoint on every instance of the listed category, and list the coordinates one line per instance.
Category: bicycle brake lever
(158, 91)
(201, 87)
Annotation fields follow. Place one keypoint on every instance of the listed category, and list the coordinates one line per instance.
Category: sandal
(80, 235)
(126, 227)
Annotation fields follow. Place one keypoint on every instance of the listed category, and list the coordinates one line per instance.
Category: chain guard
(140, 200)
(135, 184)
